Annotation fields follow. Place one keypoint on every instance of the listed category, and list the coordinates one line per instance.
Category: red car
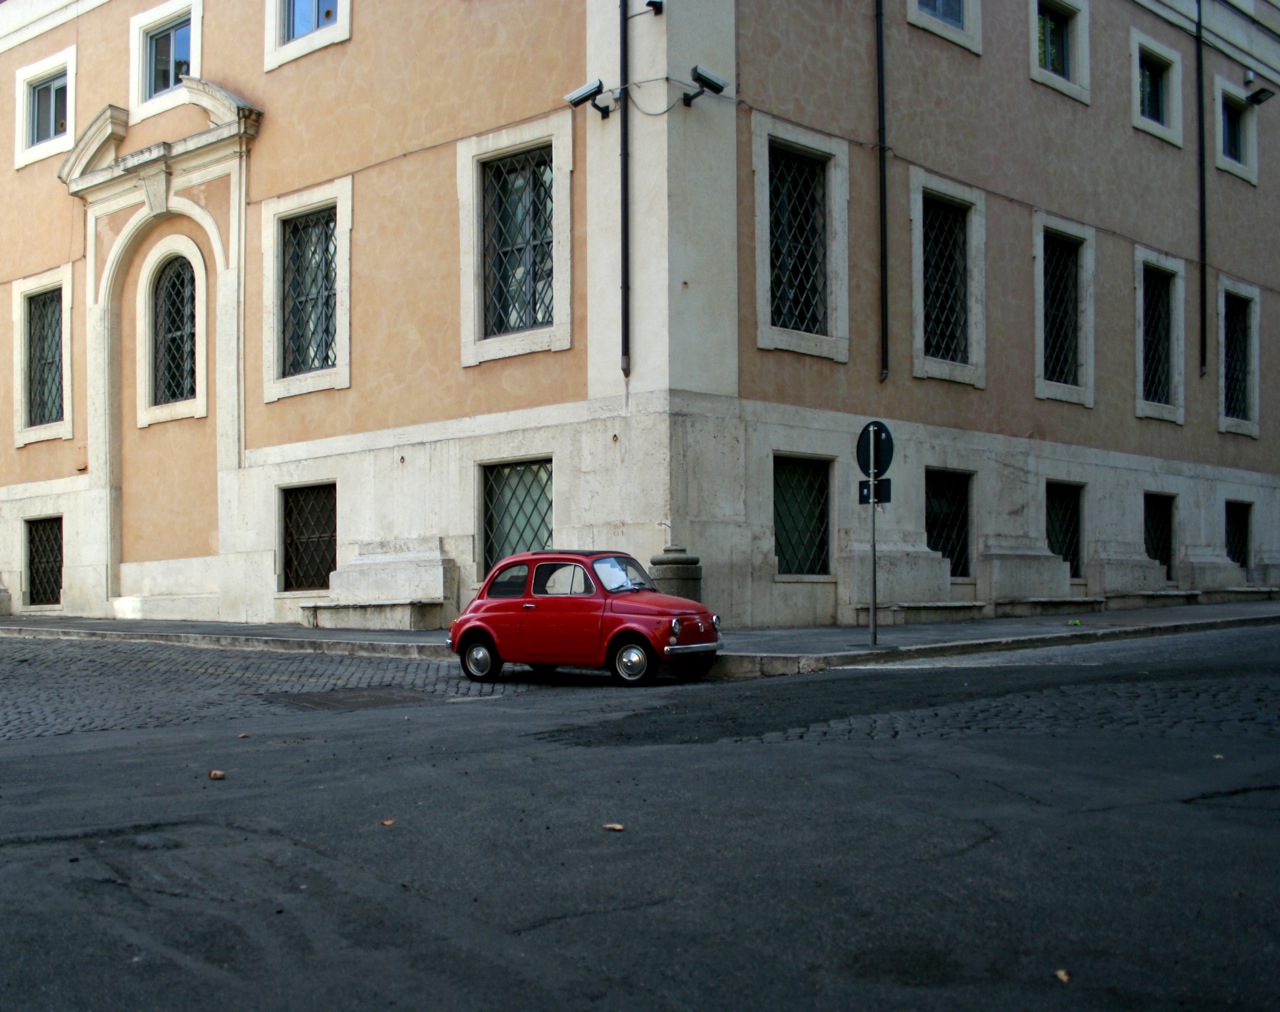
(585, 610)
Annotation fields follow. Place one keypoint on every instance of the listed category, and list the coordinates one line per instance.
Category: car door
(503, 610)
(562, 615)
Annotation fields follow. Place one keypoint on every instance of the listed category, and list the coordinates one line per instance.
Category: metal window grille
(1233, 131)
(44, 358)
(1055, 40)
(302, 17)
(517, 509)
(1157, 516)
(946, 517)
(1235, 352)
(950, 11)
(946, 280)
(1062, 523)
(518, 260)
(1157, 325)
(310, 536)
(174, 330)
(49, 109)
(801, 510)
(309, 292)
(797, 240)
(1238, 518)
(1151, 87)
(168, 56)
(1061, 309)
(44, 561)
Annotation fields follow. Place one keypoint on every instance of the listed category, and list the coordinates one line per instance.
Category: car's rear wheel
(632, 662)
(690, 669)
(480, 660)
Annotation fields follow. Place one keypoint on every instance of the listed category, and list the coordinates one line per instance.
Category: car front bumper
(680, 649)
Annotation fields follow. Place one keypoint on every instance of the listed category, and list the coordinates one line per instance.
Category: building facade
(319, 308)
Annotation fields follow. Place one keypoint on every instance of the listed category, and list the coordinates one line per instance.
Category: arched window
(174, 332)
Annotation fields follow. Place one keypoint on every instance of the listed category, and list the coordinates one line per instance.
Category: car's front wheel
(632, 662)
(480, 660)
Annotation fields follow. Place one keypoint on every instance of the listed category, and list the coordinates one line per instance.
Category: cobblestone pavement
(50, 687)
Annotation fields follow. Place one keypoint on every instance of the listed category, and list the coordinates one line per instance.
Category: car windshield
(621, 573)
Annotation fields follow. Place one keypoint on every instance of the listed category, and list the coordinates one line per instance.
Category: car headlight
(715, 621)
(675, 627)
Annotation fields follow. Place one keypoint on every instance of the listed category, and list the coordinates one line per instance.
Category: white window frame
(973, 372)
(472, 154)
(140, 28)
(1224, 90)
(335, 194)
(1082, 394)
(1174, 412)
(1241, 426)
(149, 413)
(26, 78)
(835, 153)
(1140, 44)
(278, 52)
(969, 36)
(1077, 85)
(60, 278)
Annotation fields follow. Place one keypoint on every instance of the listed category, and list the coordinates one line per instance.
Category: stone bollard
(677, 572)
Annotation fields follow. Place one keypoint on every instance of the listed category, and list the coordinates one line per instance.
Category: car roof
(586, 553)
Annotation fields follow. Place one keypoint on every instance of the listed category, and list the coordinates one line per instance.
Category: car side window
(561, 579)
(510, 582)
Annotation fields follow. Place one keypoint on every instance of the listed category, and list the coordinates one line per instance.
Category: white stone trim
(472, 152)
(335, 194)
(140, 27)
(148, 412)
(1224, 91)
(969, 36)
(24, 152)
(835, 152)
(1171, 129)
(58, 278)
(277, 52)
(1241, 426)
(974, 371)
(1043, 221)
(1174, 412)
(1076, 84)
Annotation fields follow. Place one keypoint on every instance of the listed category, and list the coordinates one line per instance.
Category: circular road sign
(883, 445)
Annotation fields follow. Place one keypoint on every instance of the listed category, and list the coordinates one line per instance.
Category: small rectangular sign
(884, 490)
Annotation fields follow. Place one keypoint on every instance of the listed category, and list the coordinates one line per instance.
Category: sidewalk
(747, 653)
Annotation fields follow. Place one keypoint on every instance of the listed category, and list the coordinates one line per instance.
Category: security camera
(707, 82)
(585, 94)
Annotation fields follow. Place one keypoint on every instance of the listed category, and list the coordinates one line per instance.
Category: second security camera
(705, 79)
(585, 94)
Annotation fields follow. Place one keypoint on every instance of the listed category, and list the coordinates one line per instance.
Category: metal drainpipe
(884, 189)
(624, 187)
(1204, 212)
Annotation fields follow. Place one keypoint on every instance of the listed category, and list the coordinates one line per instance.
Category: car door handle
(527, 605)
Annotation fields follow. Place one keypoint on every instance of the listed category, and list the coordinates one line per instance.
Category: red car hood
(650, 602)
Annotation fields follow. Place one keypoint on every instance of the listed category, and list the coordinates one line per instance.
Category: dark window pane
(1061, 309)
(1233, 131)
(1157, 326)
(946, 280)
(44, 358)
(950, 11)
(1235, 352)
(517, 509)
(1062, 523)
(44, 561)
(797, 241)
(518, 255)
(310, 536)
(1055, 40)
(1158, 529)
(309, 293)
(801, 515)
(1152, 74)
(1238, 518)
(946, 517)
(174, 329)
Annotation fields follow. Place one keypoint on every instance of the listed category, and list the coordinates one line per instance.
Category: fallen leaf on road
(1219, 757)
(388, 822)
(613, 827)
(243, 734)
(1063, 976)
(217, 775)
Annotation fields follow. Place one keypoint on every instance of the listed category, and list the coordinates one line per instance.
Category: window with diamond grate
(310, 536)
(518, 262)
(174, 327)
(44, 358)
(946, 280)
(801, 495)
(1061, 309)
(1157, 522)
(309, 249)
(797, 240)
(1055, 40)
(517, 509)
(1235, 392)
(1238, 516)
(1062, 522)
(44, 561)
(1157, 321)
(946, 517)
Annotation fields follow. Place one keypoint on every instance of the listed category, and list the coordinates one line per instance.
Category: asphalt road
(1085, 827)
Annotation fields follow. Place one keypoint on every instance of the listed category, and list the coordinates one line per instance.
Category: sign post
(875, 454)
